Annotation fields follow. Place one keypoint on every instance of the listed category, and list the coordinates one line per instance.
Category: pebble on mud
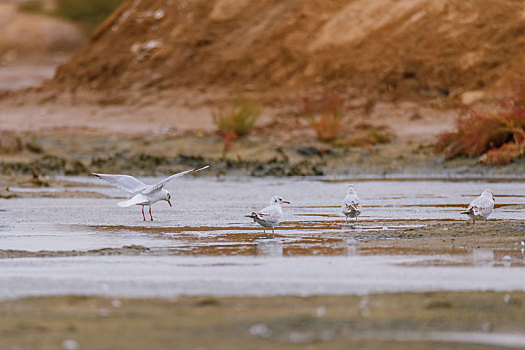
(70, 344)
(260, 330)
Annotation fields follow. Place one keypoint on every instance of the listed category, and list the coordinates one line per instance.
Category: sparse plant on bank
(327, 126)
(236, 121)
(329, 102)
(88, 13)
(366, 134)
(503, 155)
(32, 6)
(496, 137)
(326, 111)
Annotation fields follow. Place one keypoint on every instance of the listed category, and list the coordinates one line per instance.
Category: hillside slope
(407, 48)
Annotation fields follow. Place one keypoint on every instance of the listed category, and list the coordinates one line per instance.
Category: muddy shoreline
(473, 320)
(165, 154)
(506, 239)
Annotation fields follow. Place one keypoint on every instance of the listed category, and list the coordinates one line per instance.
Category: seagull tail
(253, 215)
(138, 199)
(465, 212)
(125, 204)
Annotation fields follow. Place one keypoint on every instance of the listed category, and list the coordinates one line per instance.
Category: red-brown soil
(409, 49)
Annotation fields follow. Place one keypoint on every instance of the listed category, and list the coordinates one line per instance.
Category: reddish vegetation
(329, 102)
(503, 155)
(235, 121)
(228, 138)
(408, 48)
(327, 126)
(498, 137)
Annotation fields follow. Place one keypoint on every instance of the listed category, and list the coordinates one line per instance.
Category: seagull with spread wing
(481, 207)
(271, 215)
(141, 193)
(351, 203)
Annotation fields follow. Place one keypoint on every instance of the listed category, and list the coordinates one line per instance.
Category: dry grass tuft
(326, 111)
(366, 134)
(497, 137)
(329, 102)
(327, 126)
(236, 121)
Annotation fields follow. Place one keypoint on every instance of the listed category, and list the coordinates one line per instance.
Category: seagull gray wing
(351, 200)
(350, 203)
(271, 213)
(124, 182)
(161, 184)
(481, 206)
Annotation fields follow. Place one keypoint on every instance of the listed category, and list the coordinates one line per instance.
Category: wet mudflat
(409, 232)
(412, 271)
(444, 320)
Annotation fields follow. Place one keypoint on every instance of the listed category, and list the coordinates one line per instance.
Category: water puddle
(406, 225)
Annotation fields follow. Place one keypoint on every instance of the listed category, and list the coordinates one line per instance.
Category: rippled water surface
(206, 231)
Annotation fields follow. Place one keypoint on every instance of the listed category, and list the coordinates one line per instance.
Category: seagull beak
(286, 202)
(169, 203)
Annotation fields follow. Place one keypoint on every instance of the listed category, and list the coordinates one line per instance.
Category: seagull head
(488, 193)
(167, 197)
(278, 200)
(351, 190)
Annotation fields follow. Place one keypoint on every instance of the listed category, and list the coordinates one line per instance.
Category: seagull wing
(161, 184)
(124, 182)
(350, 203)
(481, 206)
(270, 214)
(137, 199)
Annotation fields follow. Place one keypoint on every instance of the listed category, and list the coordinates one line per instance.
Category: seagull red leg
(151, 216)
(144, 216)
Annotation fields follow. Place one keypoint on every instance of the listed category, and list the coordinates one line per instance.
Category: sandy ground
(187, 110)
(397, 321)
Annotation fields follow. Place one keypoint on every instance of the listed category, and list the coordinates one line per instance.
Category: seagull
(481, 207)
(351, 204)
(270, 216)
(143, 194)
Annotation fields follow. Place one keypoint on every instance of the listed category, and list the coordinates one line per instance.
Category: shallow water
(313, 251)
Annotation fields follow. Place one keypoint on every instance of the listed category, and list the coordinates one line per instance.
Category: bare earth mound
(406, 48)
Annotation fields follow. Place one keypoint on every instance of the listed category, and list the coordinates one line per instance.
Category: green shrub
(239, 119)
(88, 13)
(32, 6)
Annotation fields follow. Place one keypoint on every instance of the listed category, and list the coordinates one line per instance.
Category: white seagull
(270, 216)
(143, 194)
(351, 204)
(481, 207)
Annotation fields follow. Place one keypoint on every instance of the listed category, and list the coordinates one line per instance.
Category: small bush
(239, 119)
(31, 6)
(329, 102)
(498, 137)
(503, 155)
(365, 134)
(236, 121)
(228, 138)
(327, 126)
